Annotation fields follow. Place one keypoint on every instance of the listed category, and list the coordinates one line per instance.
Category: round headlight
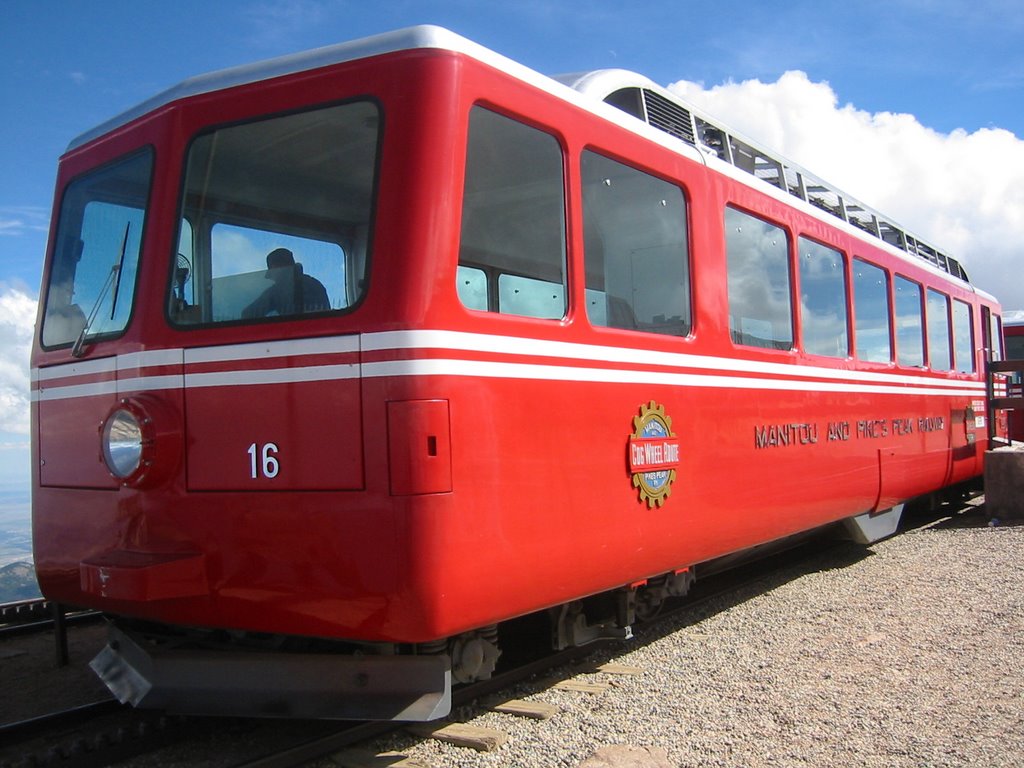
(122, 443)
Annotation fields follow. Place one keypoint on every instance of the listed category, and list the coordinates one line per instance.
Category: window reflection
(909, 325)
(276, 217)
(96, 252)
(823, 300)
(963, 336)
(871, 312)
(513, 219)
(637, 257)
(939, 351)
(760, 309)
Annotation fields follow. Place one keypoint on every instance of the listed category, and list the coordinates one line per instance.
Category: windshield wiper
(115, 272)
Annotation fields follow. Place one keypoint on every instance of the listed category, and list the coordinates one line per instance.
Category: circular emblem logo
(653, 454)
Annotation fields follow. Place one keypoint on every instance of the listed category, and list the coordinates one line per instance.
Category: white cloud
(11, 226)
(961, 191)
(17, 319)
(17, 220)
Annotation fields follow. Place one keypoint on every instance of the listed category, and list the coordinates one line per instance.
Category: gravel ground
(901, 654)
(33, 685)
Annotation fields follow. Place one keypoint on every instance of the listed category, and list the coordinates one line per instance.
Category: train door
(275, 216)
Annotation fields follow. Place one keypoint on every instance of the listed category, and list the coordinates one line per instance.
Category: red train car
(1014, 337)
(348, 358)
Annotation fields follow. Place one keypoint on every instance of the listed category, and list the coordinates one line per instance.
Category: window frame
(933, 328)
(145, 151)
(995, 333)
(492, 272)
(688, 316)
(844, 264)
(922, 329)
(202, 221)
(971, 344)
(790, 285)
(887, 291)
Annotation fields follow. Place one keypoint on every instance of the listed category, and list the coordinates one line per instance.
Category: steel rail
(23, 730)
(42, 625)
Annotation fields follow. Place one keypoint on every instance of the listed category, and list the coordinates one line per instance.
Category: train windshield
(276, 217)
(99, 234)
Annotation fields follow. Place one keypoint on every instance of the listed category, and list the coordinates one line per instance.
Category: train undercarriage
(236, 673)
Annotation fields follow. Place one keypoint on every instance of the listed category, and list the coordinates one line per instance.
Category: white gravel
(901, 654)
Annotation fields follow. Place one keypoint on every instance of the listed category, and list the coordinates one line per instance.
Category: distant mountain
(18, 582)
(15, 525)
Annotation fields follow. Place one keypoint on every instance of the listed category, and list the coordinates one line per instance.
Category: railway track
(97, 734)
(27, 617)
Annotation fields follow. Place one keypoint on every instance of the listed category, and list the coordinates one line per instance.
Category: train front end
(201, 425)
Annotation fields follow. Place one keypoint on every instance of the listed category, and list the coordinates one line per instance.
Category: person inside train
(291, 290)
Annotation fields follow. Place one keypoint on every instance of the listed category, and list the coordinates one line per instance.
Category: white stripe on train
(790, 377)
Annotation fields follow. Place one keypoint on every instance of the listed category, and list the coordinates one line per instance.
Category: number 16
(269, 465)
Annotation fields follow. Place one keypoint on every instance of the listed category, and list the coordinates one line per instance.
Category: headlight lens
(122, 443)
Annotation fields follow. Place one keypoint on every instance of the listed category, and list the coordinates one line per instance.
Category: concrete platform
(1004, 482)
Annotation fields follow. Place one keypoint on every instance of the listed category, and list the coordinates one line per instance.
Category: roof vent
(668, 116)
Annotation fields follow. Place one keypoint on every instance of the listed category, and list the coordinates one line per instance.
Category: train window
(872, 324)
(472, 286)
(1014, 346)
(629, 100)
(597, 306)
(939, 351)
(995, 328)
(182, 285)
(823, 300)
(276, 217)
(963, 336)
(513, 219)
(637, 256)
(243, 285)
(757, 252)
(99, 236)
(909, 325)
(533, 298)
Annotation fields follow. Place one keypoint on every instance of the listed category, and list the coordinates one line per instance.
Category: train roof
(411, 38)
(639, 96)
(677, 124)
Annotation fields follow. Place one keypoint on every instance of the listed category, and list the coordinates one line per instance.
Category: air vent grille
(669, 117)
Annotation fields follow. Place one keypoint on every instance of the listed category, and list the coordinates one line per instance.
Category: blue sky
(916, 107)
